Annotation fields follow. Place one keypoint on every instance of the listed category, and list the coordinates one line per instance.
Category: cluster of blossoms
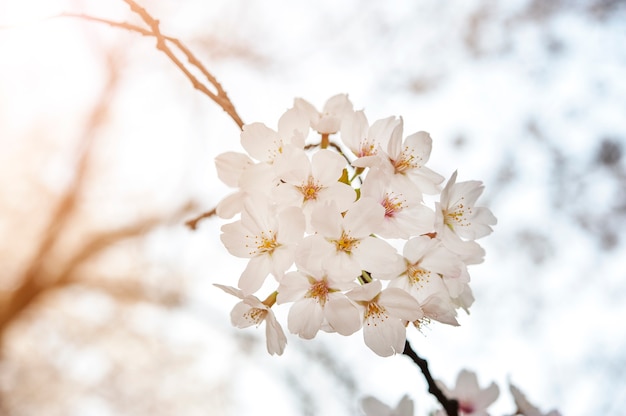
(473, 400)
(343, 228)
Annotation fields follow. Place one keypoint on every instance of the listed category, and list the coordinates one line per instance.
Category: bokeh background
(106, 298)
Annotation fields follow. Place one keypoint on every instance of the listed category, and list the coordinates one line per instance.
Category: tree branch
(193, 223)
(220, 97)
(451, 406)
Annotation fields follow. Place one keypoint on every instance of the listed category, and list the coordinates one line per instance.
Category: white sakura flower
(238, 170)
(405, 214)
(344, 242)
(371, 406)
(407, 158)
(265, 144)
(308, 183)
(329, 119)
(456, 209)
(267, 237)
(430, 268)
(470, 252)
(384, 315)
(366, 141)
(473, 401)
(251, 311)
(231, 165)
(439, 307)
(319, 302)
(524, 407)
(465, 299)
(430, 274)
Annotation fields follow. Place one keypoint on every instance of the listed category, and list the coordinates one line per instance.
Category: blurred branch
(193, 223)
(451, 406)
(32, 282)
(220, 97)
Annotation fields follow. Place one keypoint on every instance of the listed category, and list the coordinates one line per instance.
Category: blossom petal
(385, 338)
(240, 316)
(275, 337)
(363, 217)
(400, 304)
(230, 290)
(305, 318)
(293, 286)
(378, 257)
(342, 315)
(261, 142)
(254, 274)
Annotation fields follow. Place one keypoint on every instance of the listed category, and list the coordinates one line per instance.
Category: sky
(526, 96)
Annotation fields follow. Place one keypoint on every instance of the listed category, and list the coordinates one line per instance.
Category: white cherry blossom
(524, 407)
(459, 213)
(473, 400)
(310, 183)
(254, 180)
(371, 406)
(344, 241)
(329, 119)
(319, 302)
(251, 311)
(267, 237)
(406, 159)
(265, 144)
(405, 214)
(430, 267)
(384, 315)
(366, 141)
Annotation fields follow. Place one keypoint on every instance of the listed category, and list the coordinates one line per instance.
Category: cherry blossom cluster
(333, 207)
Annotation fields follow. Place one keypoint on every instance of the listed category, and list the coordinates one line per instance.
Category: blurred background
(106, 299)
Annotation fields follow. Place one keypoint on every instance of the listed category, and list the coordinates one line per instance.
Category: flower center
(367, 149)
(457, 215)
(319, 291)
(407, 161)
(266, 242)
(310, 189)
(375, 313)
(466, 407)
(417, 275)
(346, 243)
(392, 205)
(255, 315)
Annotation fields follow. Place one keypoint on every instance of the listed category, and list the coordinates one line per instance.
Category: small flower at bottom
(371, 406)
(251, 311)
(473, 401)
(384, 315)
(319, 304)
(524, 407)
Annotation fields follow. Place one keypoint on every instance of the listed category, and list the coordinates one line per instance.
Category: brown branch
(451, 406)
(193, 223)
(220, 97)
(32, 282)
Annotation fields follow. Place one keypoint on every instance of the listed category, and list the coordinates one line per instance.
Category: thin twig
(451, 406)
(193, 223)
(220, 97)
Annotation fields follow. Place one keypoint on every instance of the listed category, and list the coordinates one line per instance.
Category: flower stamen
(346, 243)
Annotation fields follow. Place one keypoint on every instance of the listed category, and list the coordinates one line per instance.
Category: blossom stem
(357, 172)
(451, 406)
(271, 299)
(325, 141)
